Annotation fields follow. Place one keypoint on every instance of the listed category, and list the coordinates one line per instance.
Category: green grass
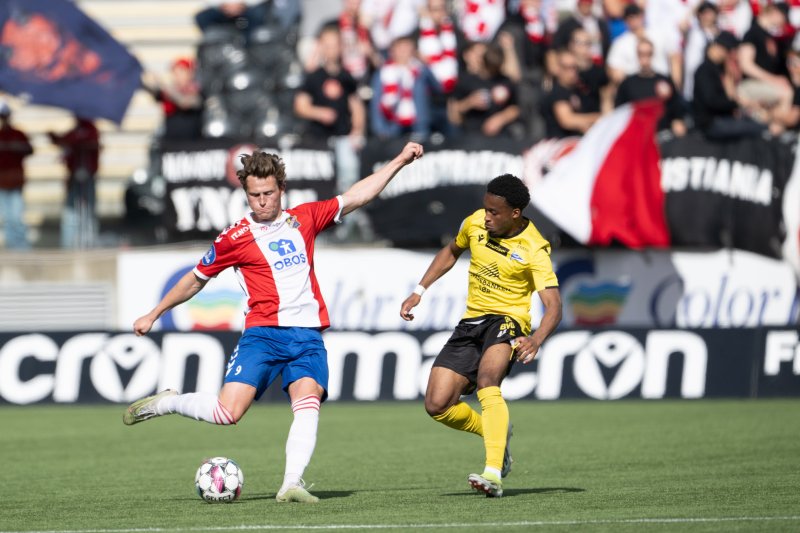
(587, 466)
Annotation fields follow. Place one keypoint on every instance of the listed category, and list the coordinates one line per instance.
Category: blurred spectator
(525, 40)
(439, 42)
(562, 108)
(791, 118)
(359, 57)
(594, 86)
(485, 101)
(480, 19)
(81, 154)
(735, 16)
(763, 62)
(596, 28)
(401, 88)
(648, 84)
(247, 15)
(328, 101)
(614, 11)
(14, 148)
(716, 109)
(702, 31)
(389, 20)
(180, 99)
(671, 18)
(622, 60)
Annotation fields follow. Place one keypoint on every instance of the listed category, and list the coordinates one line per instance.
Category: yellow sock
(463, 417)
(495, 425)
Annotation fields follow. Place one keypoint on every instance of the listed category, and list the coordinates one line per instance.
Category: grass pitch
(587, 466)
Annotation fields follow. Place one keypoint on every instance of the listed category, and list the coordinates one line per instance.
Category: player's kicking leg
(146, 408)
(225, 409)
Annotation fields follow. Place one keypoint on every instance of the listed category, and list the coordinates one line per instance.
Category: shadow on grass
(510, 493)
(321, 494)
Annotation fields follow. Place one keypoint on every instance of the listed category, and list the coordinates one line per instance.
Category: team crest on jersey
(210, 256)
(292, 222)
(516, 257)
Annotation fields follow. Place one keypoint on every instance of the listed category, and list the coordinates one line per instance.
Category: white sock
(302, 439)
(197, 405)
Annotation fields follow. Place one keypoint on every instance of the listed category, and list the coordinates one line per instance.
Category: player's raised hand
(411, 151)
(143, 325)
(410, 303)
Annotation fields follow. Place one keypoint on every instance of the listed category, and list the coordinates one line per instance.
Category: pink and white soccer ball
(219, 479)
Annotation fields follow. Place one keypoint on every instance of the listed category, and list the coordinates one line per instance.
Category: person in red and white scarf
(359, 56)
(401, 93)
(438, 43)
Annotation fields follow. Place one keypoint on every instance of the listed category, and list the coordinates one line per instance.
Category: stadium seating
(155, 32)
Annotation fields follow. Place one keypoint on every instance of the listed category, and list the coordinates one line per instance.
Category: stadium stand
(155, 32)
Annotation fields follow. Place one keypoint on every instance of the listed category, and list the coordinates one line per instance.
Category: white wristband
(419, 290)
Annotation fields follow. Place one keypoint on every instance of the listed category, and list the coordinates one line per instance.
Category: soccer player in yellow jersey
(510, 261)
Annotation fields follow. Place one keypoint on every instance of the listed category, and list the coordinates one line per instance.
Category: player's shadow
(510, 493)
(321, 494)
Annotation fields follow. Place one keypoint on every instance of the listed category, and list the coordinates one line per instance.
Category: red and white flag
(608, 188)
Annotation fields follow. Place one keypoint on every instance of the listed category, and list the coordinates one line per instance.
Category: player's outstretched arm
(187, 286)
(364, 191)
(526, 348)
(442, 262)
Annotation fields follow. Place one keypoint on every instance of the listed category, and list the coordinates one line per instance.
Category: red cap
(184, 62)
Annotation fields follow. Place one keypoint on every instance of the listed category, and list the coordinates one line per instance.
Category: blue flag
(53, 54)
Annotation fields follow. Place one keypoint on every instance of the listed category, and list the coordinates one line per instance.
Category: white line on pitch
(525, 523)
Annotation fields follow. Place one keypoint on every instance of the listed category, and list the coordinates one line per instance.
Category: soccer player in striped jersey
(510, 261)
(272, 253)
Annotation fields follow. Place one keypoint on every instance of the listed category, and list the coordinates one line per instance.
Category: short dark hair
(493, 59)
(511, 188)
(332, 26)
(262, 165)
(632, 10)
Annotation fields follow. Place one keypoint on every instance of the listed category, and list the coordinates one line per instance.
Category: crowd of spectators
(516, 68)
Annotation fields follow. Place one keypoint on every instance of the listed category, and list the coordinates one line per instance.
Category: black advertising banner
(425, 204)
(203, 194)
(606, 364)
(726, 194)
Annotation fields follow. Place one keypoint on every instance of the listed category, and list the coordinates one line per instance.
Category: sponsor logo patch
(283, 247)
(497, 247)
(210, 256)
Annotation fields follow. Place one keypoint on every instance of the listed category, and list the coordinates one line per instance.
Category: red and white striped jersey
(275, 264)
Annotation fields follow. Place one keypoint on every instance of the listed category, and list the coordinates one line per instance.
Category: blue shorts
(264, 352)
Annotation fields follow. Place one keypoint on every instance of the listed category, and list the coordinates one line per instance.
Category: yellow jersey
(504, 273)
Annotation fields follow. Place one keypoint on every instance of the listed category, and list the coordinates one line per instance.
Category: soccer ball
(219, 479)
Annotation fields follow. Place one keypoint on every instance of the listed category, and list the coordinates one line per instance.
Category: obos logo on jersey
(288, 253)
(283, 247)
